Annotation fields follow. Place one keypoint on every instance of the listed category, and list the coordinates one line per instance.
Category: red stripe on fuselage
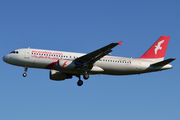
(51, 65)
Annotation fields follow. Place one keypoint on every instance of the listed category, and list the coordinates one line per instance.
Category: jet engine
(59, 76)
(66, 64)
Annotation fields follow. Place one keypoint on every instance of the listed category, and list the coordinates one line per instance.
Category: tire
(80, 82)
(24, 74)
(86, 76)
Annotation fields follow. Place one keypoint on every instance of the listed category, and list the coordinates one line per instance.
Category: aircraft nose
(5, 58)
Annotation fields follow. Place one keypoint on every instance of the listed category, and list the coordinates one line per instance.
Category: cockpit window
(14, 52)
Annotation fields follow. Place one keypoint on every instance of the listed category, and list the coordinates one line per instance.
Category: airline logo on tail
(158, 49)
(158, 46)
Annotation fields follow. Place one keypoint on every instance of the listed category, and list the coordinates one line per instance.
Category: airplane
(64, 65)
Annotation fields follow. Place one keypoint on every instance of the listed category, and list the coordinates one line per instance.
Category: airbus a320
(65, 65)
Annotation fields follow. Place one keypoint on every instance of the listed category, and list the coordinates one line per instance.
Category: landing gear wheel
(86, 76)
(80, 82)
(24, 74)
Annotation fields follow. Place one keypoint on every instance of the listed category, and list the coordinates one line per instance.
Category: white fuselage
(111, 65)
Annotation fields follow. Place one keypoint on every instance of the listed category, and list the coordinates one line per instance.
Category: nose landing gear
(25, 73)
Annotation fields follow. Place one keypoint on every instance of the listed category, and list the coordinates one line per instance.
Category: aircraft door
(27, 53)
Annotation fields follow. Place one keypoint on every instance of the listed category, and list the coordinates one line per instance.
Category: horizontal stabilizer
(162, 63)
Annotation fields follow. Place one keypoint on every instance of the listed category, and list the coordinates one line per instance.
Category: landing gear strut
(85, 76)
(80, 82)
(25, 73)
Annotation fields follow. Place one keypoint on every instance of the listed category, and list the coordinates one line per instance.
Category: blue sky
(84, 26)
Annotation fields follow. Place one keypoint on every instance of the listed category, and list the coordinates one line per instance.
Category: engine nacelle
(59, 76)
(66, 64)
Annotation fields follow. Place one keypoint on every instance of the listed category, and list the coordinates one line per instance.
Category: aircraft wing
(88, 60)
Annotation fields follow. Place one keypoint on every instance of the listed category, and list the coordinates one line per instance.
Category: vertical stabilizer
(157, 50)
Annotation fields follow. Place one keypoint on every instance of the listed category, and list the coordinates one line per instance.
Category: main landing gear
(86, 76)
(80, 82)
(25, 73)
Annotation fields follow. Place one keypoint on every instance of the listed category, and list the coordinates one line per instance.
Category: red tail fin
(158, 49)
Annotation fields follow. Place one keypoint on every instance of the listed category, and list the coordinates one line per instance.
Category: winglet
(120, 42)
